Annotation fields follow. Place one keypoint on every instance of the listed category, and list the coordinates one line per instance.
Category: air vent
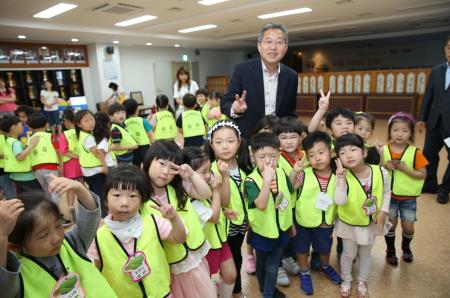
(117, 8)
(175, 9)
(235, 20)
(344, 2)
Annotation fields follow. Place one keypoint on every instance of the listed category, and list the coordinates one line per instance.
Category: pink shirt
(9, 106)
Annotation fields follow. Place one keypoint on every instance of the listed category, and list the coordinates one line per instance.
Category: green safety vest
(38, 281)
(43, 152)
(72, 141)
(166, 128)
(402, 184)
(12, 164)
(306, 213)
(352, 212)
(114, 257)
(2, 150)
(193, 124)
(216, 233)
(177, 252)
(87, 158)
(127, 139)
(135, 126)
(236, 202)
(270, 221)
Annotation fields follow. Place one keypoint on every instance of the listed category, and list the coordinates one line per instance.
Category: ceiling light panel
(285, 13)
(137, 20)
(55, 10)
(211, 2)
(198, 28)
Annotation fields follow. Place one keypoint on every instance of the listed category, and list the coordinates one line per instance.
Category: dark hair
(37, 120)
(168, 150)
(270, 26)
(101, 128)
(359, 116)
(189, 100)
(182, 71)
(397, 118)
(336, 112)
(264, 139)
(194, 156)
(27, 110)
(7, 122)
(267, 121)
(289, 124)
(35, 204)
(78, 116)
(350, 139)
(115, 107)
(69, 115)
(127, 177)
(162, 102)
(8, 91)
(202, 91)
(316, 137)
(52, 85)
(131, 107)
(113, 86)
(216, 95)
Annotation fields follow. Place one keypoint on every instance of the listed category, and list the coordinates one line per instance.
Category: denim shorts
(406, 208)
(322, 238)
(52, 117)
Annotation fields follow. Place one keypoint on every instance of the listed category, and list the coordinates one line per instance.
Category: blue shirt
(447, 76)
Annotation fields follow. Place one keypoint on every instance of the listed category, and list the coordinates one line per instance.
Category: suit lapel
(259, 83)
(443, 74)
(282, 81)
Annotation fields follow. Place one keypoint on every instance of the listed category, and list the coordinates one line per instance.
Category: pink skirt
(194, 283)
(72, 169)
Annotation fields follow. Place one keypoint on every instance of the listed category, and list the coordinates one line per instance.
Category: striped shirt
(323, 181)
(270, 90)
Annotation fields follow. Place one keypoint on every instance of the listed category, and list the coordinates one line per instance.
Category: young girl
(129, 243)
(171, 182)
(362, 195)
(49, 263)
(364, 126)
(213, 220)
(406, 165)
(225, 144)
(163, 121)
(211, 110)
(68, 144)
(49, 99)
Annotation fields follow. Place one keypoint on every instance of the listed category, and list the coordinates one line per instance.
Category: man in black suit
(435, 115)
(262, 86)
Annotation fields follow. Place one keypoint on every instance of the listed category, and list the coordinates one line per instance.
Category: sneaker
(282, 278)
(290, 266)
(391, 258)
(361, 290)
(346, 289)
(407, 256)
(250, 264)
(306, 285)
(331, 274)
(315, 261)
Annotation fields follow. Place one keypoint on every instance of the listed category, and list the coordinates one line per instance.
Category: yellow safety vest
(2, 150)
(135, 126)
(43, 152)
(87, 158)
(210, 122)
(192, 122)
(402, 184)
(114, 257)
(12, 164)
(38, 281)
(127, 139)
(306, 213)
(72, 141)
(216, 233)
(166, 128)
(270, 221)
(353, 212)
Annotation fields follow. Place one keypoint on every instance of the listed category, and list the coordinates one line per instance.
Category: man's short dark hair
(264, 139)
(202, 91)
(7, 122)
(269, 26)
(339, 111)
(314, 138)
(115, 107)
(189, 100)
(37, 120)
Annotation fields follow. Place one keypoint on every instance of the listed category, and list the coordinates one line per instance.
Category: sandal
(346, 289)
(361, 290)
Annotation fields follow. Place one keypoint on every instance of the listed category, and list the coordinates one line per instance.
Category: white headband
(223, 123)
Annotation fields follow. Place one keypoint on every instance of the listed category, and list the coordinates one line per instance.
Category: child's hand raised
(269, 172)
(324, 101)
(340, 170)
(215, 182)
(9, 212)
(298, 166)
(223, 168)
(60, 185)
(185, 171)
(167, 210)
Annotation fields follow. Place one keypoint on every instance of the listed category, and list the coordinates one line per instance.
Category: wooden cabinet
(218, 83)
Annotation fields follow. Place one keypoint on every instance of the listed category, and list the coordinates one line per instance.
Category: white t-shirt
(180, 93)
(49, 97)
(89, 142)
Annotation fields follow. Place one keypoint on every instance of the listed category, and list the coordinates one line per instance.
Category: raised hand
(215, 181)
(60, 185)
(239, 104)
(185, 171)
(167, 210)
(9, 212)
(223, 168)
(269, 172)
(298, 166)
(340, 170)
(324, 100)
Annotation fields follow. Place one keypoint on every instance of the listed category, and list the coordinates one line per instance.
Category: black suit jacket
(436, 102)
(248, 76)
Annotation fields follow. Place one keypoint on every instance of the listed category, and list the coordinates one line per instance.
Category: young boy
(315, 211)
(139, 128)
(23, 112)
(123, 144)
(191, 123)
(268, 192)
(17, 157)
(201, 95)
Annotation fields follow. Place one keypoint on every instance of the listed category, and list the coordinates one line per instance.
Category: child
(171, 182)
(68, 152)
(225, 144)
(406, 165)
(201, 96)
(364, 126)
(163, 121)
(49, 99)
(213, 220)
(191, 123)
(139, 128)
(123, 144)
(362, 195)
(129, 243)
(7, 189)
(48, 261)
(315, 211)
(269, 205)
(23, 112)
(44, 156)
(211, 110)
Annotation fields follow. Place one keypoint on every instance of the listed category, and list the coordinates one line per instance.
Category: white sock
(226, 290)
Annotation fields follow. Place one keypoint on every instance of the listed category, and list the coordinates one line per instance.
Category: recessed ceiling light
(74, 39)
(21, 36)
(54, 10)
(149, 43)
(211, 2)
(285, 13)
(44, 48)
(176, 45)
(115, 42)
(135, 21)
(199, 28)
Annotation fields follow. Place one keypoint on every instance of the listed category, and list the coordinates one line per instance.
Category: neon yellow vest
(177, 252)
(210, 122)
(352, 213)
(38, 282)
(269, 221)
(166, 127)
(114, 257)
(237, 202)
(87, 158)
(43, 152)
(402, 184)
(216, 233)
(72, 141)
(193, 125)
(2, 150)
(127, 139)
(135, 126)
(306, 213)
(12, 164)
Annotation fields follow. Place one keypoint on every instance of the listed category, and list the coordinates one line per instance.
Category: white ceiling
(237, 21)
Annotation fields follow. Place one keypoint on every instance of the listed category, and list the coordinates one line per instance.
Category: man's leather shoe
(442, 198)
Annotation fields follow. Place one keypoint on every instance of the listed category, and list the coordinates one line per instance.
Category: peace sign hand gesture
(167, 210)
(324, 101)
(340, 170)
(239, 105)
